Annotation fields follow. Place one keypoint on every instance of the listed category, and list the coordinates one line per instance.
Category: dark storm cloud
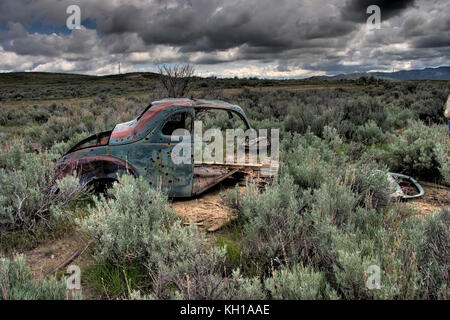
(432, 41)
(206, 25)
(326, 28)
(195, 27)
(356, 10)
(28, 12)
(288, 35)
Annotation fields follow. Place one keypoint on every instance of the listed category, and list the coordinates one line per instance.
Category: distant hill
(17, 86)
(439, 73)
(11, 77)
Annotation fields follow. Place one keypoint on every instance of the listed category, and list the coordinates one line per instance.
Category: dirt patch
(43, 260)
(435, 198)
(207, 211)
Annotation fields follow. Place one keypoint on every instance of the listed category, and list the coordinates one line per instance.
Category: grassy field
(23, 86)
(318, 226)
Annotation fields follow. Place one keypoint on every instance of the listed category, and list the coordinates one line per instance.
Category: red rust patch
(146, 118)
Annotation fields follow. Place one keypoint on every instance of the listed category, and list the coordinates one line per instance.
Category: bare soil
(435, 198)
(207, 211)
(44, 259)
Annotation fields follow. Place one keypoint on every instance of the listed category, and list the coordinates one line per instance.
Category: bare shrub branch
(176, 79)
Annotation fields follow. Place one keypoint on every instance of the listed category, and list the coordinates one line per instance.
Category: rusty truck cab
(144, 145)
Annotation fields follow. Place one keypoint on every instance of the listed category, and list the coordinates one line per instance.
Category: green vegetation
(311, 234)
(20, 86)
(125, 226)
(299, 283)
(16, 283)
(111, 281)
(40, 85)
(31, 198)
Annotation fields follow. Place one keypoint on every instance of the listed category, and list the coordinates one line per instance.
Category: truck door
(171, 162)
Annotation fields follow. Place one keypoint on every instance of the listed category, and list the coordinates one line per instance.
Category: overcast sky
(263, 38)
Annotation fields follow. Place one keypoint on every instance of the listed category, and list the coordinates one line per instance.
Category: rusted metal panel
(205, 178)
(138, 128)
(93, 167)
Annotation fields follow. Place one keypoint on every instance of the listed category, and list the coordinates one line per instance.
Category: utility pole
(119, 67)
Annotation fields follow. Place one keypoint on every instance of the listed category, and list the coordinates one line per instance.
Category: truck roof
(196, 103)
(137, 128)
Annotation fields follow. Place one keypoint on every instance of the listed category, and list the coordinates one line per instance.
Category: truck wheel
(101, 186)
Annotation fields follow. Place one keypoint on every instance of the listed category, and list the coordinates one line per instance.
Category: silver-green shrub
(443, 157)
(369, 134)
(369, 183)
(299, 283)
(124, 224)
(238, 287)
(434, 256)
(182, 265)
(309, 171)
(336, 200)
(420, 151)
(30, 192)
(234, 287)
(134, 226)
(16, 283)
(309, 160)
(272, 226)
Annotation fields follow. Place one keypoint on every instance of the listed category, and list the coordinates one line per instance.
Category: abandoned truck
(143, 147)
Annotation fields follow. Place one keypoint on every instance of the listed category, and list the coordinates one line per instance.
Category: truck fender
(95, 167)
